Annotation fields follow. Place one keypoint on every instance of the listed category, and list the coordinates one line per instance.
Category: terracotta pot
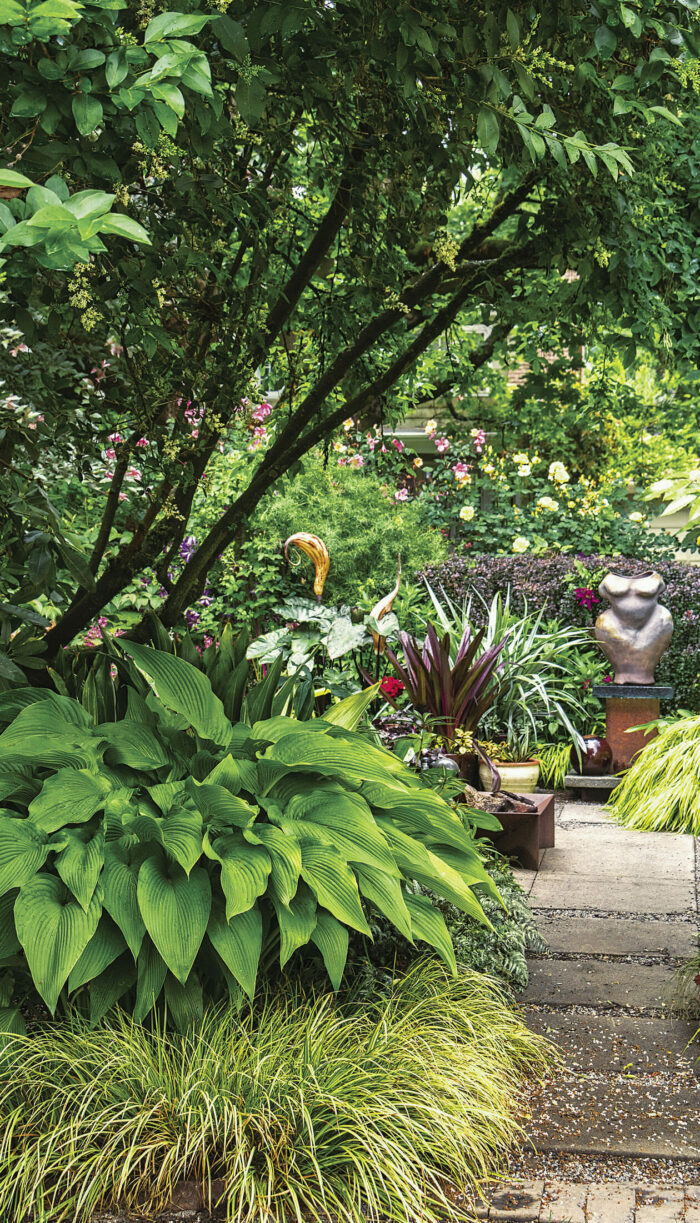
(517, 778)
(596, 757)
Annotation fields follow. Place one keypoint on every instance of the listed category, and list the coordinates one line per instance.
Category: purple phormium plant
(456, 694)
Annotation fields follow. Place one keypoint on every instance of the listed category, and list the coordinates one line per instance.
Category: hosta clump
(172, 853)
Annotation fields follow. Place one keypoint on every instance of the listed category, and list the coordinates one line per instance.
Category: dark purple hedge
(559, 581)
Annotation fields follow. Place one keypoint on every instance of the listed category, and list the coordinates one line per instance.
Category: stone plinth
(626, 706)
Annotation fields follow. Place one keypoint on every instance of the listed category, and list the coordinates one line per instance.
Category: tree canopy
(308, 198)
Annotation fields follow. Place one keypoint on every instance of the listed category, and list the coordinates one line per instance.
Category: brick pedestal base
(628, 705)
(619, 716)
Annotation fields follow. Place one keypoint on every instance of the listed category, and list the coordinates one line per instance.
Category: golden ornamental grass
(309, 1109)
(661, 791)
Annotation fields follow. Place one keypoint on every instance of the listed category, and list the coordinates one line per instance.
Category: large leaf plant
(174, 854)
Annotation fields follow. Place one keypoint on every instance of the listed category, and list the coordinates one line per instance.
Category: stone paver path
(615, 1135)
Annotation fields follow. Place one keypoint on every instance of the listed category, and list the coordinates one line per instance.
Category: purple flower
(191, 617)
(187, 547)
(205, 601)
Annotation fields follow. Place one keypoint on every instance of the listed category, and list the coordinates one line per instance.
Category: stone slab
(602, 785)
(520, 1200)
(625, 894)
(524, 878)
(563, 1202)
(660, 1206)
(599, 983)
(619, 1044)
(610, 1204)
(584, 813)
(618, 936)
(633, 692)
(654, 1116)
(618, 851)
(692, 1204)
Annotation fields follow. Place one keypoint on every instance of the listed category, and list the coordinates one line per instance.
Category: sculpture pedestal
(628, 705)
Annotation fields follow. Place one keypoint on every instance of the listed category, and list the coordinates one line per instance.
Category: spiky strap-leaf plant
(173, 852)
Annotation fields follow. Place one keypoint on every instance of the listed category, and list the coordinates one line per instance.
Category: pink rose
(401, 494)
(442, 444)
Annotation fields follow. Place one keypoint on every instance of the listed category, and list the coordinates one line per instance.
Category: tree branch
(277, 461)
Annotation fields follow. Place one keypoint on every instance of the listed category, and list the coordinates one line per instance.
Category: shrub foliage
(174, 850)
(552, 581)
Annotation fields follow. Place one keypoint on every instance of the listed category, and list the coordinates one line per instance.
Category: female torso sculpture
(634, 631)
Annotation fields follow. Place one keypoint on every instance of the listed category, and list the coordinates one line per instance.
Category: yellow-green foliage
(362, 525)
(352, 1111)
(661, 791)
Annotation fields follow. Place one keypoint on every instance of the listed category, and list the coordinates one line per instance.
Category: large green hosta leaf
(427, 816)
(151, 974)
(106, 944)
(244, 871)
(387, 895)
(54, 931)
(238, 942)
(175, 908)
(331, 938)
(347, 756)
(229, 774)
(343, 821)
(179, 834)
(429, 925)
(349, 712)
(23, 850)
(40, 733)
(135, 745)
(296, 922)
(285, 858)
(119, 883)
(220, 808)
(419, 863)
(80, 861)
(334, 884)
(8, 934)
(111, 984)
(71, 796)
(183, 688)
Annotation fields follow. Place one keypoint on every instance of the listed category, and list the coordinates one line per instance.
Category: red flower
(391, 687)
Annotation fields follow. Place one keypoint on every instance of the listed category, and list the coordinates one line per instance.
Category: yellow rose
(467, 513)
